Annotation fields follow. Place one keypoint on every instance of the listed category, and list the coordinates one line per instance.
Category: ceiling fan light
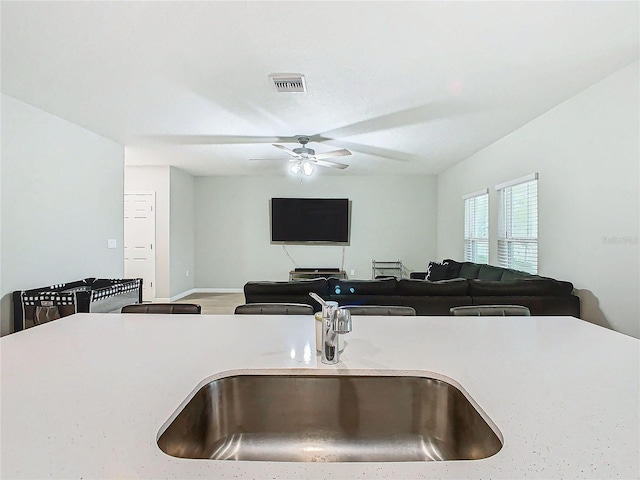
(307, 168)
(295, 168)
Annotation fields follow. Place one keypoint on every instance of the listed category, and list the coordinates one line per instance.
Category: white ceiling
(408, 87)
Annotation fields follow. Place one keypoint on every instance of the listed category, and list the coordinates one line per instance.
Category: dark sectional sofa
(484, 285)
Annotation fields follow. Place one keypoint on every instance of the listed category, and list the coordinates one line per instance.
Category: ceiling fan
(301, 156)
(305, 159)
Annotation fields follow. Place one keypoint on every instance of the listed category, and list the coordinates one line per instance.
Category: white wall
(62, 199)
(155, 179)
(586, 151)
(182, 235)
(392, 218)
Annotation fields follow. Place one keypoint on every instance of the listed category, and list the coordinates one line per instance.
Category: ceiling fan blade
(410, 116)
(370, 150)
(285, 149)
(336, 153)
(213, 139)
(324, 163)
(276, 159)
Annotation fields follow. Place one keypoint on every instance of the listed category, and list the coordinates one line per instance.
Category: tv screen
(305, 220)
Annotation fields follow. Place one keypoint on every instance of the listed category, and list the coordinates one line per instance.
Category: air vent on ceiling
(288, 82)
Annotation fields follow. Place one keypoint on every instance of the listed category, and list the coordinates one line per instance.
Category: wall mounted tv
(310, 220)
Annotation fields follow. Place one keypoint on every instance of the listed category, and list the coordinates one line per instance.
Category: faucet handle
(341, 320)
(328, 308)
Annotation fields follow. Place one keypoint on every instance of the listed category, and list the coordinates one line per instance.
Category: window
(518, 224)
(476, 227)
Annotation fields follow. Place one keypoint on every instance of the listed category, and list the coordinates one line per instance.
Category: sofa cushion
(489, 272)
(456, 286)
(437, 271)
(509, 275)
(382, 286)
(434, 305)
(299, 287)
(560, 286)
(469, 270)
(532, 287)
(355, 299)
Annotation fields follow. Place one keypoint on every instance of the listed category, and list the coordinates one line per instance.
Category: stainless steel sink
(329, 418)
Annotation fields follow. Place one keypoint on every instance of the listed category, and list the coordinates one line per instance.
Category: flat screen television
(310, 220)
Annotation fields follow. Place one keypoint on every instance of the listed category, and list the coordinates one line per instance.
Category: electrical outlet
(186, 273)
(353, 272)
(112, 243)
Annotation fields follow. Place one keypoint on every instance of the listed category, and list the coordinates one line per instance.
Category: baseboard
(183, 294)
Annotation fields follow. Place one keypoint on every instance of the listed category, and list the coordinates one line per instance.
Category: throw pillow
(437, 271)
(454, 267)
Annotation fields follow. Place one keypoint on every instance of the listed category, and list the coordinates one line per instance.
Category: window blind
(518, 225)
(476, 227)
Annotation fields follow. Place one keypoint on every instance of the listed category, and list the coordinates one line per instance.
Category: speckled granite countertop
(85, 396)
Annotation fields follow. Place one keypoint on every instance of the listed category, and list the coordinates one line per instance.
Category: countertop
(85, 396)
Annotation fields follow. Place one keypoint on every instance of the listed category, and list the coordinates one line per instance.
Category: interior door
(140, 240)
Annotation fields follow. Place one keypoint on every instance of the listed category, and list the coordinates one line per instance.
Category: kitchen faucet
(335, 321)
